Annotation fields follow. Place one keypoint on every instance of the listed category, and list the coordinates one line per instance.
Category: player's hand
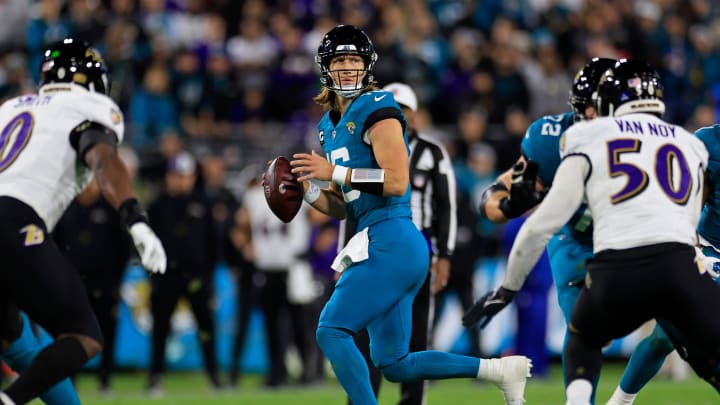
(307, 166)
(712, 267)
(710, 264)
(149, 247)
(487, 307)
(441, 274)
(523, 194)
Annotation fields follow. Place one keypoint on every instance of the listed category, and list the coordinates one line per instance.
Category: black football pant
(166, 291)
(626, 288)
(36, 277)
(277, 309)
(247, 296)
(104, 297)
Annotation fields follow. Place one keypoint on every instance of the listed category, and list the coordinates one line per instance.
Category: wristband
(131, 212)
(339, 174)
(370, 181)
(312, 194)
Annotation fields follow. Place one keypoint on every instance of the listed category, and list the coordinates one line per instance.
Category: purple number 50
(14, 137)
(668, 158)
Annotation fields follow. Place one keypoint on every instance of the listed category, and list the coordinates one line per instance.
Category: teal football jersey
(345, 143)
(709, 226)
(541, 144)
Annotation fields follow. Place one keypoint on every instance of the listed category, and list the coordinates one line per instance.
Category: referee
(433, 204)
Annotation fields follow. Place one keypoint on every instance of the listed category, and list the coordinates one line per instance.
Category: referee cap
(404, 95)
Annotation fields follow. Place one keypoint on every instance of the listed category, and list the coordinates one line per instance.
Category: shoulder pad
(100, 109)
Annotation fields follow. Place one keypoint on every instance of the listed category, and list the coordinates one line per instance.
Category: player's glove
(484, 309)
(523, 195)
(149, 247)
(710, 264)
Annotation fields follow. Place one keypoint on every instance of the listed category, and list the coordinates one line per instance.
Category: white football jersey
(645, 181)
(276, 244)
(38, 164)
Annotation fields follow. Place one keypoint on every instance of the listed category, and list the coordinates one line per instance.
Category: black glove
(484, 309)
(522, 190)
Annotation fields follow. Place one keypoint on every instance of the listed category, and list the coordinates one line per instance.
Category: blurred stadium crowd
(217, 73)
(232, 81)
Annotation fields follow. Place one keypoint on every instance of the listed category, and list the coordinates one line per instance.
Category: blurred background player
(182, 216)
(241, 259)
(224, 204)
(324, 235)
(275, 246)
(364, 136)
(71, 120)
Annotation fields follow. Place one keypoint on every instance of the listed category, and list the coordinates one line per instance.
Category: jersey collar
(58, 87)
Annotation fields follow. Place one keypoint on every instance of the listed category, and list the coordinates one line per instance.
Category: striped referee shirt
(433, 194)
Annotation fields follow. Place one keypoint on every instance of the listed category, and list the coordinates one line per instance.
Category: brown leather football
(283, 193)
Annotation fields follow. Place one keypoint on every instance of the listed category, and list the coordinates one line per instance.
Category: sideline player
(53, 142)
(385, 263)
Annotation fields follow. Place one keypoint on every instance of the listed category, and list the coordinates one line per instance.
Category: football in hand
(283, 193)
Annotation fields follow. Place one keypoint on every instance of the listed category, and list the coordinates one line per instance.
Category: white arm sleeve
(561, 202)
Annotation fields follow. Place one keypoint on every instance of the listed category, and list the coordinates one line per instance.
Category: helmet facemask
(361, 78)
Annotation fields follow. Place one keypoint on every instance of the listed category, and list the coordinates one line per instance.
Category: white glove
(710, 264)
(152, 253)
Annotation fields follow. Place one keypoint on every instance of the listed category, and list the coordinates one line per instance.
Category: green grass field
(192, 388)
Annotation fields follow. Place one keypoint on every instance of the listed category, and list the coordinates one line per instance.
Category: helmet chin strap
(348, 91)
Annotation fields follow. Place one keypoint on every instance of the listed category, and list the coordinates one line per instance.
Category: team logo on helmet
(94, 55)
(71, 61)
